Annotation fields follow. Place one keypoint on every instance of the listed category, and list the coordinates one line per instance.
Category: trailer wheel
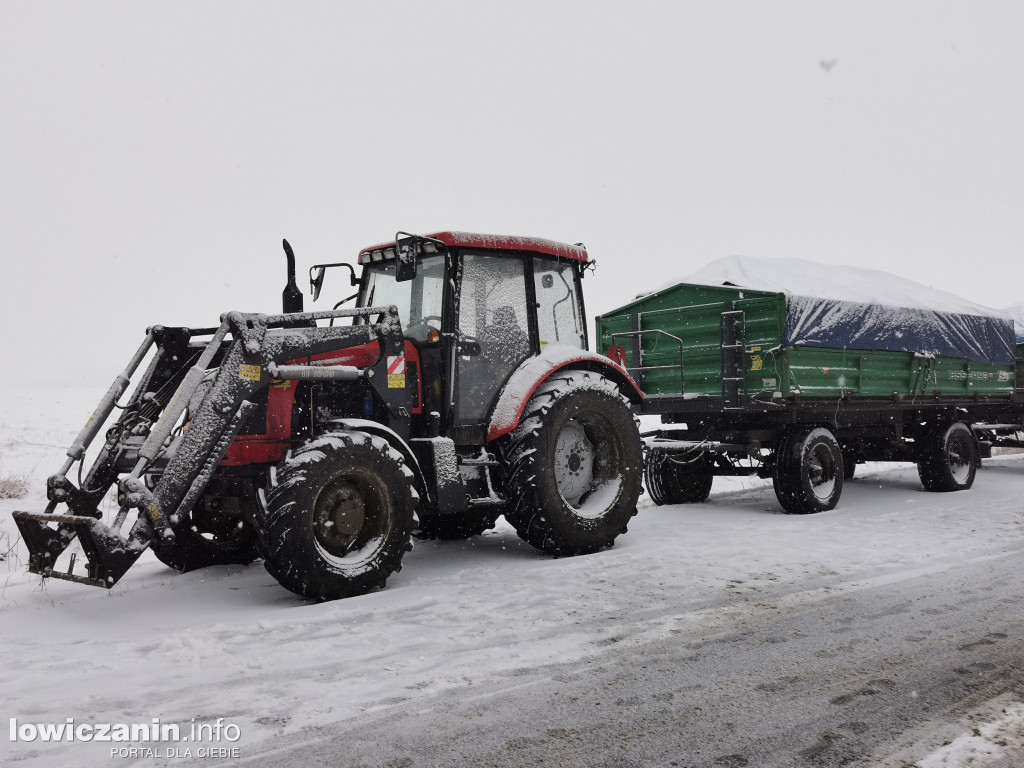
(671, 481)
(948, 457)
(339, 516)
(575, 464)
(453, 527)
(216, 533)
(809, 472)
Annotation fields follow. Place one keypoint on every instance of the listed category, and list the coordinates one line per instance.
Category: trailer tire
(575, 465)
(808, 474)
(339, 516)
(454, 527)
(948, 457)
(670, 481)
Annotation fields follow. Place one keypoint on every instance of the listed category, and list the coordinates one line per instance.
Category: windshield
(418, 300)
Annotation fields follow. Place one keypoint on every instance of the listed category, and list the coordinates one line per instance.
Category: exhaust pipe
(291, 298)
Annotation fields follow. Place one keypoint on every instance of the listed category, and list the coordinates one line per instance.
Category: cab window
(559, 320)
(494, 320)
(418, 300)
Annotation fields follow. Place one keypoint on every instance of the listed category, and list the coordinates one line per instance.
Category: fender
(379, 430)
(533, 372)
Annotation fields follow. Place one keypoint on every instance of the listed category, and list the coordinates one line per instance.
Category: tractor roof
(496, 243)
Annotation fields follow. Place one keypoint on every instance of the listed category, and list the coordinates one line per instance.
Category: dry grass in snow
(13, 486)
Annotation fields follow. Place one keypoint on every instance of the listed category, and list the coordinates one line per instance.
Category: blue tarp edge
(818, 322)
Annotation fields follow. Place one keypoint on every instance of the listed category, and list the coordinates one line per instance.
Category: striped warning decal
(396, 371)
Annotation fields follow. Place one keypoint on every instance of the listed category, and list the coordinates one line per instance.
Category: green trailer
(801, 388)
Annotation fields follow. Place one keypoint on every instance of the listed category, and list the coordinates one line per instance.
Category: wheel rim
(350, 517)
(821, 472)
(574, 463)
(959, 456)
(588, 465)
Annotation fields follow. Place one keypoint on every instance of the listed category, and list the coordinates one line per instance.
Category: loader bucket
(109, 554)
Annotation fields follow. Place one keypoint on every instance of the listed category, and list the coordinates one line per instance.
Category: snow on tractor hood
(858, 308)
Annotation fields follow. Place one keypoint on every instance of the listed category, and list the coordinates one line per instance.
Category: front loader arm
(255, 355)
(243, 373)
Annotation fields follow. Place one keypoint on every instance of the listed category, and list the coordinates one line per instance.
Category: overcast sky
(153, 155)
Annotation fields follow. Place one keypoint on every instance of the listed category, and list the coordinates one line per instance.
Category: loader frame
(248, 351)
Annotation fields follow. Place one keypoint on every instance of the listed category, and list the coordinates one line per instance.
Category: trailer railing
(638, 369)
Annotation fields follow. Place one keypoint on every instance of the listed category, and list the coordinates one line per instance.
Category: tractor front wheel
(575, 464)
(217, 532)
(339, 516)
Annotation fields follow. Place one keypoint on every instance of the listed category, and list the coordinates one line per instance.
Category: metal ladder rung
(733, 352)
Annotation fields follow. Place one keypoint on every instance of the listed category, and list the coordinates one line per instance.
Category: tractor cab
(474, 307)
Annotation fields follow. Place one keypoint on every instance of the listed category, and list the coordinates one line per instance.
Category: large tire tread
(941, 445)
(295, 554)
(801, 453)
(537, 509)
(671, 481)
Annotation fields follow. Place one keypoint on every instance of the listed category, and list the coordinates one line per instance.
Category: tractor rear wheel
(575, 464)
(948, 457)
(339, 516)
(674, 481)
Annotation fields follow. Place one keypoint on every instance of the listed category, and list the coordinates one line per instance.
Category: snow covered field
(230, 643)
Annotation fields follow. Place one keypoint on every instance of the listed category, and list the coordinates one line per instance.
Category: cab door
(493, 334)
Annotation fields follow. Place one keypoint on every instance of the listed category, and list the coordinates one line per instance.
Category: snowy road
(875, 672)
(722, 634)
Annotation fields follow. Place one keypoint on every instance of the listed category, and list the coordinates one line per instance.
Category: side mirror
(317, 273)
(406, 250)
(316, 280)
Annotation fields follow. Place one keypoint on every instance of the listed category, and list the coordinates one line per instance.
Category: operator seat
(504, 342)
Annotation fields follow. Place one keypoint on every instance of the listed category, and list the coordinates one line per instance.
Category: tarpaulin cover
(1016, 311)
(857, 308)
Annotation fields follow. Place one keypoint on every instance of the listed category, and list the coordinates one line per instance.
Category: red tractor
(457, 388)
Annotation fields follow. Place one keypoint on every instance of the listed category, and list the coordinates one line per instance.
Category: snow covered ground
(230, 643)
